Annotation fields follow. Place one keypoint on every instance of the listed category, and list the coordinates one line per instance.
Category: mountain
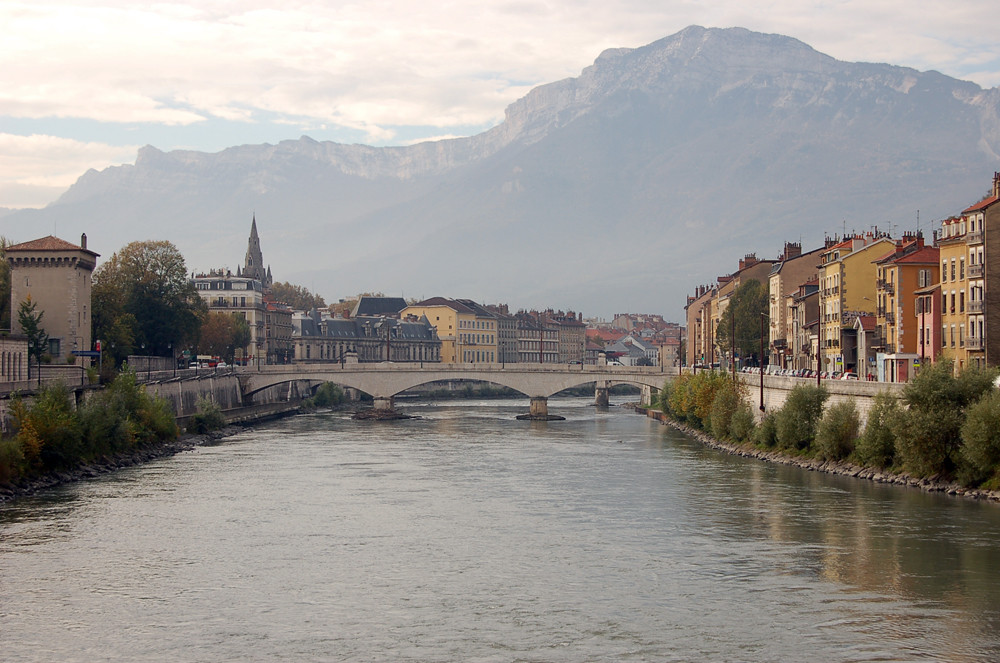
(621, 189)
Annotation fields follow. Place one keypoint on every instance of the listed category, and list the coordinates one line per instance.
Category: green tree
(877, 445)
(797, 421)
(30, 320)
(149, 281)
(838, 430)
(747, 304)
(928, 431)
(980, 450)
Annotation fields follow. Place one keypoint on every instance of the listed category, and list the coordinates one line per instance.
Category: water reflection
(469, 535)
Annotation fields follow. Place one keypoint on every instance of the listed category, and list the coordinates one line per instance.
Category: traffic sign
(86, 353)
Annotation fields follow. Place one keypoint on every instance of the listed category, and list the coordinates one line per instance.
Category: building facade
(56, 276)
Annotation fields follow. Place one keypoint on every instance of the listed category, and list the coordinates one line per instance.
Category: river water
(468, 536)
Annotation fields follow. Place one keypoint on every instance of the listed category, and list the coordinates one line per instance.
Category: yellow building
(846, 289)
(956, 305)
(468, 332)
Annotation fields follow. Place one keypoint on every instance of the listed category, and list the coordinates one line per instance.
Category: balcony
(885, 286)
(974, 343)
(975, 271)
(975, 306)
(890, 318)
(974, 238)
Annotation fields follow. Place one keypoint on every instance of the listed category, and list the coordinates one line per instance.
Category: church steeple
(253, 266)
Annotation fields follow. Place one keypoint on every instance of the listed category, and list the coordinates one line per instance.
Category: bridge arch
(384, 381)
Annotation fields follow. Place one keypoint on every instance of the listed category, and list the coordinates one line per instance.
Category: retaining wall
(777, 388)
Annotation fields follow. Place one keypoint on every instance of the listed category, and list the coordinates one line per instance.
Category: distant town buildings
(248, 294)
(871, 305)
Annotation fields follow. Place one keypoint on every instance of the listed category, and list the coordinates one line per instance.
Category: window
(944, 270)
(961, 301)
(961, 268)
(952, 269)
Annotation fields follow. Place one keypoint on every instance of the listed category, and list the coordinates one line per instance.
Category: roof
(369, 305)
(981, 205)
(50, 243)
(444, 301)
(867, 322)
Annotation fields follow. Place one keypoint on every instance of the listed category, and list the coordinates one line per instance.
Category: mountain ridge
(686, 153)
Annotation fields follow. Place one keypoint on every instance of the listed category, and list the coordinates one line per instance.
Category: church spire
(254, 264)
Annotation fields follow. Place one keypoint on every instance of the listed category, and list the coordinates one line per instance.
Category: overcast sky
(84, 84)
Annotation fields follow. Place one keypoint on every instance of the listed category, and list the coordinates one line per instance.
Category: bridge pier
(602, 397)
(383, 403)
(646, 398)
(539, 411)
(539, 407)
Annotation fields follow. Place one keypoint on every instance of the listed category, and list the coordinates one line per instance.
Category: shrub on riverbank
(980, 450)
(877, 445)
(208, 417)
(742, 426)
(693, 396)
(838, 429)
(928, 431)
(52, 436)
(328, 395)
(796, 422)
(943, 427)
(724, 406)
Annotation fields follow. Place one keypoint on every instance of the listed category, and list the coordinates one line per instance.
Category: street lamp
(761, 362)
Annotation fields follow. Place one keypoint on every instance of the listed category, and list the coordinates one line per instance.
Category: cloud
(378, 69)
(35, 169)
(391, 63)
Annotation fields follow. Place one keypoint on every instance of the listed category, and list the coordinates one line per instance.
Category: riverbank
(929, 485)
(112, 464)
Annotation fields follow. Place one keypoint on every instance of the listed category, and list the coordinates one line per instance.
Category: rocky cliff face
(657, 165)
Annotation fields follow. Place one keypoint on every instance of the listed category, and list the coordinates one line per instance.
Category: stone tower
(56, 275)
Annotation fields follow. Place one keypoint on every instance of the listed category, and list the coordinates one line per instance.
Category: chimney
(83, 241)
(996, 185)
(792, 250)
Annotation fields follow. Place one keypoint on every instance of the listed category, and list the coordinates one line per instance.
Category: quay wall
(777, 388)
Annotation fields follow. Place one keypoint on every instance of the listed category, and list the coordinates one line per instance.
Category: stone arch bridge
(383, 381)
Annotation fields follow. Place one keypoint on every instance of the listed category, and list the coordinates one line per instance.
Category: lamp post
(761, 362)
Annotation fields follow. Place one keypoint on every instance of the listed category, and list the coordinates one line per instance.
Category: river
(466, 535)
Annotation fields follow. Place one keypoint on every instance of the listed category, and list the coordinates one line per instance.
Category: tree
(222, 334)
(297, 297)
(148, 281)
(747, 303)
(30, 320)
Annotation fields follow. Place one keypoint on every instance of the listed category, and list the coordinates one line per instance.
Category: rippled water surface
(468, 536)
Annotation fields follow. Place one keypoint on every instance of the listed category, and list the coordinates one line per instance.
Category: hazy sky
(84, 84)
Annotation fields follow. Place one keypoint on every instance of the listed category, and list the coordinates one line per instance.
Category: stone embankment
(930, 485)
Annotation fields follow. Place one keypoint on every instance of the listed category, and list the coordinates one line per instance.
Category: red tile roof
(50, 243)
(981, 205)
